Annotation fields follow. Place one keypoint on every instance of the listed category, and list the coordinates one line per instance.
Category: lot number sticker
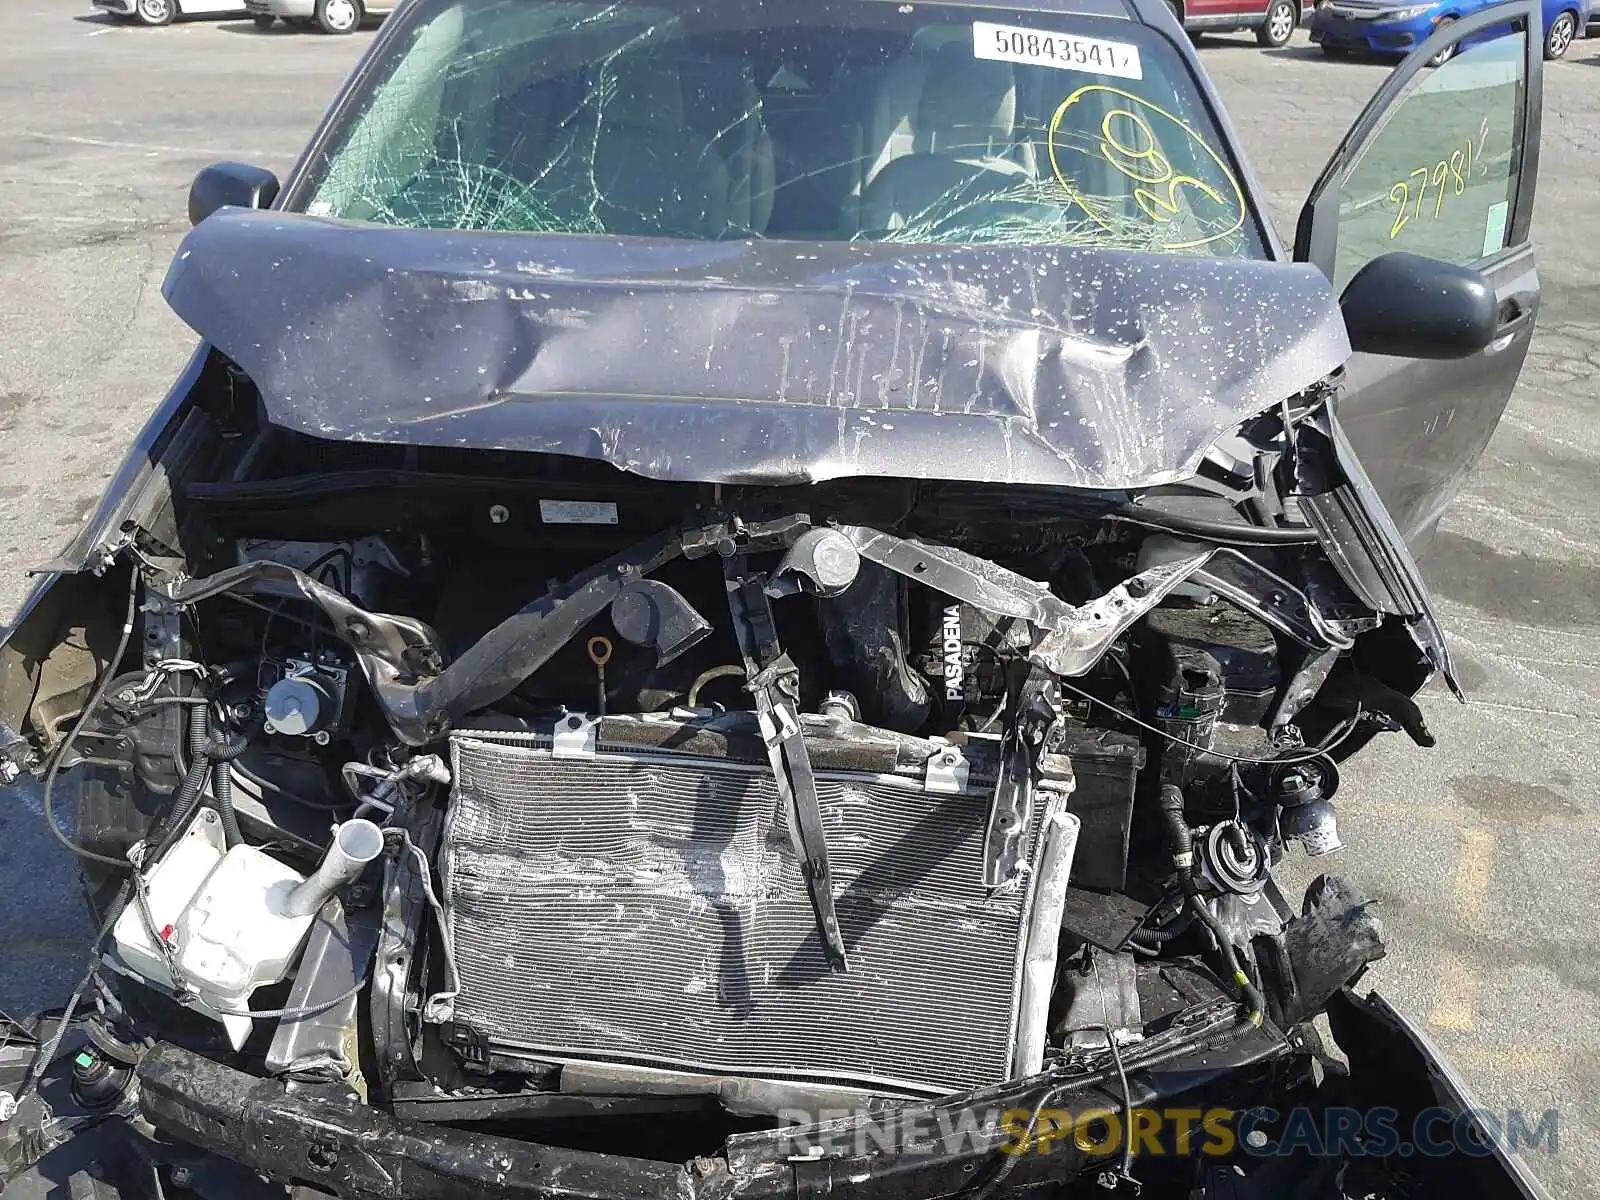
(1494, 228)
(1065, 51)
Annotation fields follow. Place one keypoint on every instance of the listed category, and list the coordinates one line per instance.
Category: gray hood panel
(772, 362)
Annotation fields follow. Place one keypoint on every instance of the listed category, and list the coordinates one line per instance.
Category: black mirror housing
(227, 184)
(1407, 306)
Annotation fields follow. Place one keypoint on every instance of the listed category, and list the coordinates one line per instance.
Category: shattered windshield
(826, 121)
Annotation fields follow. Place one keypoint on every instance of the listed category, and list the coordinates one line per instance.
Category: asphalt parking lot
(1483, 852)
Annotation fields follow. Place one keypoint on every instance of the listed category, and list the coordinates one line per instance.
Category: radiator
(642, 906)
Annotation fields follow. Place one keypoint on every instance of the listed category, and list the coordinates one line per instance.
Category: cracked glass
(826, 122)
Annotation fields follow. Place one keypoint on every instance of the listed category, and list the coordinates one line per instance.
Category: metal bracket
(946, 772)
(404, 660)
(470, 1045)
(575, 736)
(774, 682)
(393, 650)
(1009, 811)
(1303, 685)
(1079, 637)
(1032, 726)
(1071, 639)
(163, 629)
(1270, 598)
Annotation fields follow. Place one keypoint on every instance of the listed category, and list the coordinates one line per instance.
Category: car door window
(1440, 176)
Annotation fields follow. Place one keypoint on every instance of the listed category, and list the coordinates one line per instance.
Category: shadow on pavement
(44, 943)
(251, 28)
(280, 28)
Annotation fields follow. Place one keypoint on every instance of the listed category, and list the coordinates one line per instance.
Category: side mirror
(1408, 306)
(230, 183)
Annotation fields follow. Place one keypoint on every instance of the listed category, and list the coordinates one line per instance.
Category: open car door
(1441, 164)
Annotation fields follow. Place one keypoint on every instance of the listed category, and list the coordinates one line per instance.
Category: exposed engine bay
(684, 827)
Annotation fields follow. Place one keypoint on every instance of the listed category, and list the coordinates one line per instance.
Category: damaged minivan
(741, 599)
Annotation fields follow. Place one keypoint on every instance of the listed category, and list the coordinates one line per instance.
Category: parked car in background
(330, 16)
(1273, 23)
(162, 12)
(1383, 27)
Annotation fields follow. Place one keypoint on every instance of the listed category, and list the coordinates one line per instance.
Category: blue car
(1382, 27)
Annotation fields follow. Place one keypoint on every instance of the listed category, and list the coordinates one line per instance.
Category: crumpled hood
(769, 362)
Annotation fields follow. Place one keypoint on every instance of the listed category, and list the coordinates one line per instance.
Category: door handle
(1515, 311)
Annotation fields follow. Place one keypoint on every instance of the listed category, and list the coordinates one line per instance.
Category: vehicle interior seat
(630, 162)
(724, 110)
(525, 124)
(963, 146)
(1079, 141)
(940, 123)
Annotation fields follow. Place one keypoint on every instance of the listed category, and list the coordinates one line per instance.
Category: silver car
(331, 16)
(162, 12)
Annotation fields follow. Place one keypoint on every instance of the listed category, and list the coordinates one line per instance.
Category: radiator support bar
(774, 681)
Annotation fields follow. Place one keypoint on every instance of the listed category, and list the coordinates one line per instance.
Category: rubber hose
(266, 785)
(187, 797)
(1181, 838)
(224, 748)
(1255, 1004)
(199, 733)
(1154, 939)
(1180, 841)
(1219, 531)
(222, 793)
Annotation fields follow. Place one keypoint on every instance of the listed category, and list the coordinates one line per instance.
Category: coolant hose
(1181, 839)
(1255, 1004)
(1179, 836)
(224, 748)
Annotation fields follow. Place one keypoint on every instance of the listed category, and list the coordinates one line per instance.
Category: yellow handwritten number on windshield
(1127, 140)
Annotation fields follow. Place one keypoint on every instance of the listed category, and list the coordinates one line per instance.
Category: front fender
(65, 626)
(1394, 1064)
(143, 468)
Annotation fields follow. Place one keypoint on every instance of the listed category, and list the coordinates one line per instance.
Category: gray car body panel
(758, 362)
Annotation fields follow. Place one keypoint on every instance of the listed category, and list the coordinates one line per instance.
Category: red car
(1273, 22)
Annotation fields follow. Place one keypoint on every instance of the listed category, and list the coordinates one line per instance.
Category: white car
(162, 12)
(331, 16)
